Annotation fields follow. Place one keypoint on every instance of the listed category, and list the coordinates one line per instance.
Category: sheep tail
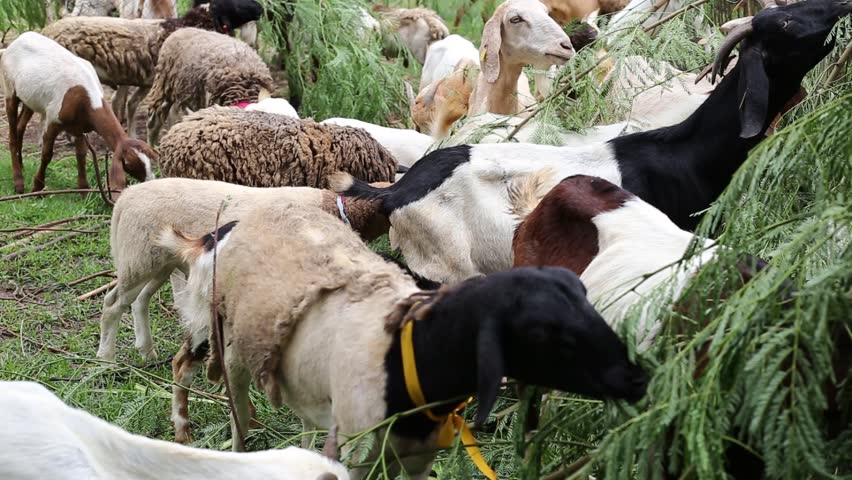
(526, 192)
(181, 246)
(345, 184)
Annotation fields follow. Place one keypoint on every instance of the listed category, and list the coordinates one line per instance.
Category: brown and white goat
(44, 77)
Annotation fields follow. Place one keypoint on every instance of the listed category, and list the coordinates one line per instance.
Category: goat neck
(503, 94)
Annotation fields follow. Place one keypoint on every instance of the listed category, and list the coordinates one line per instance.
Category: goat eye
(516, 19)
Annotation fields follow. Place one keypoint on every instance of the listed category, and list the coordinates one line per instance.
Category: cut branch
(97, 291)
(44, 245)
(104, 273)
(48, 192)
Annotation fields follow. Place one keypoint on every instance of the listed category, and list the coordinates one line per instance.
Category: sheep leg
(115, 303)
(132, 105)
(239, 380)
(119, 101)
(156, 117)
(49, 137)
(141, 320)
(308, 440)
(81, 151)
(184, 366)
(12, 103)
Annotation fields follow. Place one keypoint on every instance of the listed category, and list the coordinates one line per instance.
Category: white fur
(635, 240)
(464, 227)
(126, 8)
(149, 172)
(277, 106)
(40, 71)
(45, 439)
(495, 128)
(443, 56)
(407, 146)
(638, 13)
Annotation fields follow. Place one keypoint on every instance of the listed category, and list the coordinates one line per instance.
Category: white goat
(278, 106)
(443, 57)
(407, 146)
(64, 89)
(43, 438)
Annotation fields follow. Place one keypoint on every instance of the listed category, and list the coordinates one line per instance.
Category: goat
(41, 76)
(443, 57)
(518, 33)
(293, 284)
(142, 267)
(450, 214)
(44, 438)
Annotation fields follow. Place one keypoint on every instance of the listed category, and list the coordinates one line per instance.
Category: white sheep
(278, 106)
(407, 146)
(64, 89)
(43, 438)
(313, 317)
(142, 268)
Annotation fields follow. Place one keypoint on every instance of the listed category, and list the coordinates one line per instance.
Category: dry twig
(97, 291)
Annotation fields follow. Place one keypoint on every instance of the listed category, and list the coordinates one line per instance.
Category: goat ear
(489, 359)
(492, 38)
(117, 180)
(753, 92)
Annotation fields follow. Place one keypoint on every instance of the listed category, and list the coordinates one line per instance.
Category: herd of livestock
(510, 249)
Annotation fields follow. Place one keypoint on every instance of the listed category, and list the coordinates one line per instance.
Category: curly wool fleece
(260, 149)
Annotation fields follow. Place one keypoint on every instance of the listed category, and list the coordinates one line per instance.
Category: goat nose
(566, 45)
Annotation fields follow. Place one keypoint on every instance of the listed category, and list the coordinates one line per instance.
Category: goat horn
(724, 52)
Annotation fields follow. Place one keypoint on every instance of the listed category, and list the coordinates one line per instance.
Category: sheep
(417, 27)
(45, 438)
(406, 146)
(332, 293)
(42, 76)
(142, 268)
(443, 56)
(518, 33)
(124, 52)
(265, 150)
(456, 224)
(278, 106)
(147, 9)
(197, 69)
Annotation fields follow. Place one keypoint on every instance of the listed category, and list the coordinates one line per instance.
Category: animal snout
(567, 46)
(638, 384)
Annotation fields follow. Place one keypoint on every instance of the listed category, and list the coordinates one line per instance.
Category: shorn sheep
(259, 149)
(41, 76)
(43, 438)
(197, 69)
(316, 319)
(679, 169)
(190, 205)
(124, 52)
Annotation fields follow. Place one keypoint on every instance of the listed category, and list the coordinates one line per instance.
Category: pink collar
(242, 104)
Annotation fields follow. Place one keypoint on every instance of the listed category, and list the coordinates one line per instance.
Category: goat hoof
(183, 437)
(148, 355)
(107, 355)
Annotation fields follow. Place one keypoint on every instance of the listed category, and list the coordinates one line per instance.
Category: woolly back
(261, 149)
(278, 263)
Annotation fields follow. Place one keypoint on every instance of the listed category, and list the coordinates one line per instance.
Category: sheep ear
(753, 92)
(117, 180)
(492, 38)
(489, 359)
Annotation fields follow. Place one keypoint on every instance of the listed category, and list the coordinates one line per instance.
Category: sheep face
(523, 33)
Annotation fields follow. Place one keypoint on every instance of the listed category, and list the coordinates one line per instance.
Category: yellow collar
(451, 423)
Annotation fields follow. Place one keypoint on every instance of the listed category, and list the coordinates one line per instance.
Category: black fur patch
(223, 232)
(424, 176)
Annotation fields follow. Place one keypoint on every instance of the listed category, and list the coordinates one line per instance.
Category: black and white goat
(450, 213)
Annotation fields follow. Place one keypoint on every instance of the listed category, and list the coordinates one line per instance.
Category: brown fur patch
(414, 308)
(560, 230)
